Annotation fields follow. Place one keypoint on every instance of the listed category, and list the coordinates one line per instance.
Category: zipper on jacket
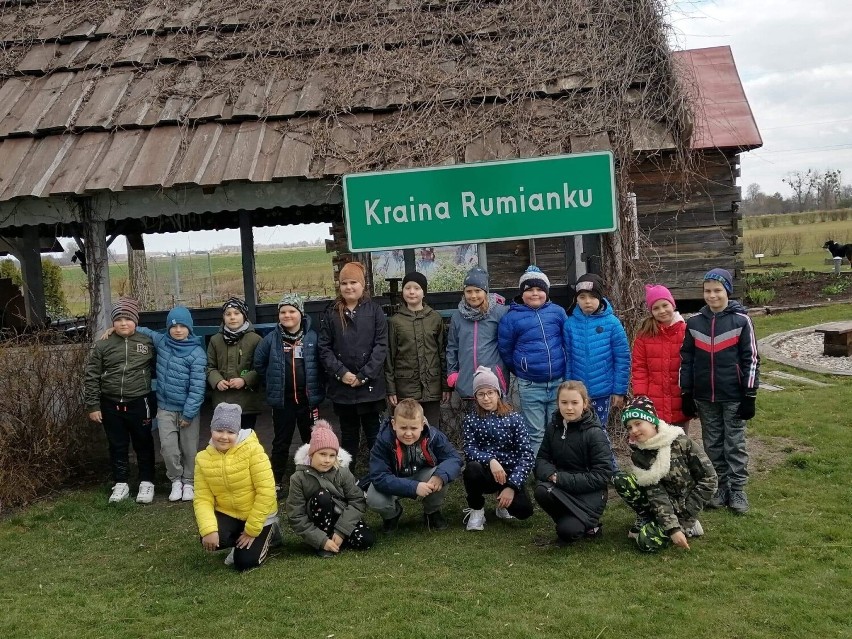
(123, 371)
(713, 358)
(564, 428)
(475, 340)
(544, 337)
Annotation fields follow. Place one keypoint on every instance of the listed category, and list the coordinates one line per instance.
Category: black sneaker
(720, 499)
(435, 521)
(738, 502)
(322, 553)
(389, 526)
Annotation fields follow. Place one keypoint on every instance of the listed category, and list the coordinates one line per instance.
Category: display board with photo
(443, 266)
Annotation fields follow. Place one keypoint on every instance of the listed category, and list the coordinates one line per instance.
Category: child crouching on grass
(670, 483)
(325, 506)
(235, 505)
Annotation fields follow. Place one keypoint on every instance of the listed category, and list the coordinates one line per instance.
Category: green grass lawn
(812, 235)
(73, 565)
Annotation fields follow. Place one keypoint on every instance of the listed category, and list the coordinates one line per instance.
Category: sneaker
(636, 528)
(177, 491)
(435, 521)
(738, 502)
(389, 526)
(475, 519)
(146, 493)
(697, 530)
(502, 513)
(120, 492)
(229, 560)
(188, 492)
(720, 499)
(276, 536)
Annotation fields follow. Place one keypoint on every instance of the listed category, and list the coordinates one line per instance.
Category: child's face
(407, 431)
(588, 303)
(323, 460)
(124, 327)
(571, 405)
(178, 332)
(488, 398)
(715, 295)
(639, 431)
(232, 318)
(223, 440)
(663, 311)
(290, 318)
(351, 290)
(474, 296)
(534, 297)
(412, 294)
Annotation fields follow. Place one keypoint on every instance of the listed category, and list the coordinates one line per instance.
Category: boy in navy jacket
(411, 459)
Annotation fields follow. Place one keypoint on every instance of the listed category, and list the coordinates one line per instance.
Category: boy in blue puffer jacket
(181, 380)
(531, 344)
(598, 352)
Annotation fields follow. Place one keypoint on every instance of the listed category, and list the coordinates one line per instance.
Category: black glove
(687, 405)
(746, 409)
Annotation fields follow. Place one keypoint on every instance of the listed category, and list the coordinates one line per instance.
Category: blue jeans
(601, 406)
(538, 402)
(723, 435)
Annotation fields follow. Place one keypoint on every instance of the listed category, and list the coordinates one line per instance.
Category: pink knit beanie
(323, 437)
(656, 292)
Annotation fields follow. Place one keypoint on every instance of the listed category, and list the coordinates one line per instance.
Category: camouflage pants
(651, 536)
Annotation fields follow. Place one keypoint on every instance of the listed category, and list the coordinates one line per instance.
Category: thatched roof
(128, 94)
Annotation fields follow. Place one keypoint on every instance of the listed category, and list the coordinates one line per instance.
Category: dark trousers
(568, 527)
(432, 413)
(351, 425)
(248, 421)
(321, 511)
(126, 423)
(230, 529)
(478, 482)
(284, 423)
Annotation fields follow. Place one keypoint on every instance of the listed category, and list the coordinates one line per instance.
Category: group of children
(571, 368)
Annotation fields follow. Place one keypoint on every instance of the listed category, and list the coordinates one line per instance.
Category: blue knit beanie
(478, 277)
(179, 315)
(723, 276)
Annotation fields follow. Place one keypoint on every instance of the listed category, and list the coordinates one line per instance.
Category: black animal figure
(839, 250)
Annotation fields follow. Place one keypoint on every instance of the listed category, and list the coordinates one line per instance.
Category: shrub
(796, 219)
(760, 296)
(797, 241)
(776, 243)
(838, 288)
(756, 245)
(765, 221)
(43, 424)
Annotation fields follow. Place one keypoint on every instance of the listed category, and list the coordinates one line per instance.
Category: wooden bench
(837, 338)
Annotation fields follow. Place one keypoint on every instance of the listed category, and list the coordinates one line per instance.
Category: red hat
(323, 437)
(656, 292)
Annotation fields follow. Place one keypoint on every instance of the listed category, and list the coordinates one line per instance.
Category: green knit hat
(640, 407)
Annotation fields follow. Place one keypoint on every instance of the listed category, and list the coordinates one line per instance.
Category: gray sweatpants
(387, 506)
(178, 445)
(724, 440)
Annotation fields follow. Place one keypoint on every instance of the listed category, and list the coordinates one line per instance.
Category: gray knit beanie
(226, 417)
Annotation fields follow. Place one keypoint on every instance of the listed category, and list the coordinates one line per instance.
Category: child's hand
(392, 400)
(436, 483)
(223, 385)
(424, 489)
(244, 541)
(337, 540)
(451, 379)
(237, 382)
(445, 397)
(497, 471)
(506, 497)
(617, 401)
(210, 541)
(348, 378)
(330, 546)
(107, 333)
(552, 479)
(96, 416)
(184, 423)
(679, 540)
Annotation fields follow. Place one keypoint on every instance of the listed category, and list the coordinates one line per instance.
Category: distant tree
(802, 185)
(828, 185)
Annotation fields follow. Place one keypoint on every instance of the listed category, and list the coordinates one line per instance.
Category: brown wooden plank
(134, 51)
(31, 108)
(200, 150)
(42, 162)
(86, 154)
(592, 142)
(209, 108)
(112, 23)
(267, 158)
(184, 17)
(63, 111)
(251, 102)
(151, 18)
(485, 147)
(68, 55)
(139, 101)
(83, 30)
(108, 175)
(178, 106)
(99, 53)
(104, 100)
(11, 91)
(313, 93)
(39, 58)
(154, 161)
(243, 158)
(219, 158)
(284, 97)
(13, 152)
(297, 153)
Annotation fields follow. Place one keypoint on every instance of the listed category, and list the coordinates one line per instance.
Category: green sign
(482, 202)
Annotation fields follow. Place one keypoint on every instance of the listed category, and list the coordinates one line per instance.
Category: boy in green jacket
(116, 388)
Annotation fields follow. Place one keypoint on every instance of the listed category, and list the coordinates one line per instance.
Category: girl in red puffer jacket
(656, 356)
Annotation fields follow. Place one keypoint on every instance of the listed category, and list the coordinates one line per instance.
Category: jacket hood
(242, 437)
(180, 315)
(302, 459)
(662, 443)
(733, 307)
(604, 310)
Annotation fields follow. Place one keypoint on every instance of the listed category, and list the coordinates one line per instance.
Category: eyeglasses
(487, 394)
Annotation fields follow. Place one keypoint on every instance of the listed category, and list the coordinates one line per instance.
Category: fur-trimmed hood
(662, 443)
(301, 457)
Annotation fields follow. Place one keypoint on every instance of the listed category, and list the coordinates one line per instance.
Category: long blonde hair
(649, 327)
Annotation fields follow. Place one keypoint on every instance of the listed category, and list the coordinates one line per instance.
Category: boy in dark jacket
(411, 459)
(718, 380)
(116, 388)
(670, 483)
(287, 360)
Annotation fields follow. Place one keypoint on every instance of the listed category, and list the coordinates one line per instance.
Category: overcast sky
(795, 63)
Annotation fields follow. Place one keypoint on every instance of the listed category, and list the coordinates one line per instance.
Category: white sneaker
(120, 492)
(188, 493)
(146, 493)
(229, 560)
(177, 490)
(696, 531)
(502, 513)
(475, 519)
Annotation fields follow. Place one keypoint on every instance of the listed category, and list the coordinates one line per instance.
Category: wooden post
(137, 271)
(97, 267)
(249, 272)
(29, 254)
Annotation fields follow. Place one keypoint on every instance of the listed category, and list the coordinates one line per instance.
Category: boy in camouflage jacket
(670, 483)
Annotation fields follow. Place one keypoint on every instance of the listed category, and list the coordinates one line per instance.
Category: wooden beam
(29, 254)
(97, 266)
(249, 272)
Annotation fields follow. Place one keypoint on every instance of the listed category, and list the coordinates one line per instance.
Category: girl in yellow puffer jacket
(235, 504)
